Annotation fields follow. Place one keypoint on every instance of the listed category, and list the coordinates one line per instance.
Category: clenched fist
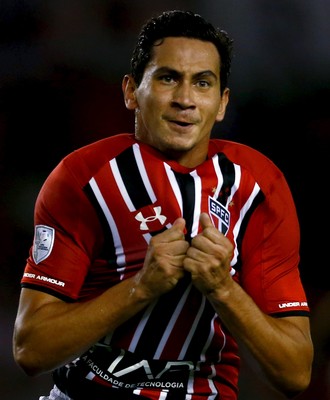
(208, 258)
(163, 264)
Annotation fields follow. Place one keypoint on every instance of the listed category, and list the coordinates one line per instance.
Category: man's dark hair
(179, 23)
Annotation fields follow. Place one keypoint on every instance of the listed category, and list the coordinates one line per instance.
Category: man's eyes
(170, 79)
(203, 83)
(166, 78)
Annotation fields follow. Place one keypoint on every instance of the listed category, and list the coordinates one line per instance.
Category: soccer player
(156, 252)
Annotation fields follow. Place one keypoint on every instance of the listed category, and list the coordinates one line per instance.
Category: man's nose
(183, 95)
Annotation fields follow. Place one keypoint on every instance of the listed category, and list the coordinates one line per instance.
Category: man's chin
(182, 143)
(176, 151)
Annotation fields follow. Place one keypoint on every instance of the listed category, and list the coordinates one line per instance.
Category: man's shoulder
(238, 152)
(84, 162)
(244, 155)
(260, 166)
(107, 147)
(97, 153)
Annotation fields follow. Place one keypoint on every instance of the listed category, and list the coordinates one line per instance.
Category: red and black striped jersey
(94, 218)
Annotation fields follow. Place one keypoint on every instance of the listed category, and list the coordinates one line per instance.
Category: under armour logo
(143, 220)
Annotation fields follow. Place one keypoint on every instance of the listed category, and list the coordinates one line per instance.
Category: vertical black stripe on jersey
(228, 173)
(158, 320)
(132, 179)
(260, 197)
(108, 251)
(187, 188)
(202, 329)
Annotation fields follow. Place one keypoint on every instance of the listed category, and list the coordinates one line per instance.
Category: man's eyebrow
(167, 70)
(174, 72)
(206, 73)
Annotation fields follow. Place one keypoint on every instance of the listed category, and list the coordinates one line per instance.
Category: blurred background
(61, 66)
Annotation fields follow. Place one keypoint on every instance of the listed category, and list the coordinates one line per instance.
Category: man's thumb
(205, 220)
(180, 223)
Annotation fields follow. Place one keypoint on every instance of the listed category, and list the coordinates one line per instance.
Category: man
(156, 252)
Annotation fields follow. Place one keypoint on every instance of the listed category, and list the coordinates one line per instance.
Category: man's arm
(282, 346)
(49, 332)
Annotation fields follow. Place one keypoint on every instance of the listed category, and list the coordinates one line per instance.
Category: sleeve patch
(43, 242)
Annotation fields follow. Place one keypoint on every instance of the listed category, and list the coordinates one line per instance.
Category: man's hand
(208, 258)
(163, 265)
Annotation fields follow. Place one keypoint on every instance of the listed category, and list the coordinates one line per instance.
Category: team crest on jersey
(221, 213)
(43, 242)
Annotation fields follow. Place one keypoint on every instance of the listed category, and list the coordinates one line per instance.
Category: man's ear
(223, 105)
(128, 88)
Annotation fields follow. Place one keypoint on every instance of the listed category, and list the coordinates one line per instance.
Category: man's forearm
(279, 345)
(58, 332)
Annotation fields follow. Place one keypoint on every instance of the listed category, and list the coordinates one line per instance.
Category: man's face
(178, 100)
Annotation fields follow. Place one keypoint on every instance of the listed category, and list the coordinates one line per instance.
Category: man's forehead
(180, 53)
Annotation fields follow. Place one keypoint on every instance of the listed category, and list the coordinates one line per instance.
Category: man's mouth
(181, 123)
